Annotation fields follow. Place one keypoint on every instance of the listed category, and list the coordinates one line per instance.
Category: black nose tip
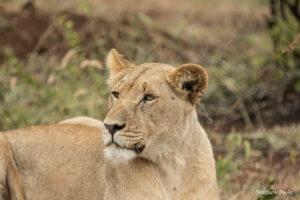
(114, 128)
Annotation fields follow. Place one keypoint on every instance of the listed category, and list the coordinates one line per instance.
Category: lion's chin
(118, 155)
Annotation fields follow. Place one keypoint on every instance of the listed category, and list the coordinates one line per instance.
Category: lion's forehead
(150, 72)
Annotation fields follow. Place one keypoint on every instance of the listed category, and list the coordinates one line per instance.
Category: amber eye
(149, 97)
(115, 94)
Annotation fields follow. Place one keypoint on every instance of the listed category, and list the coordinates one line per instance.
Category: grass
(269, 165)
(47, 94)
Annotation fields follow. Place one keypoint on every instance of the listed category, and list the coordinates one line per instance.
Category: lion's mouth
(136, 147)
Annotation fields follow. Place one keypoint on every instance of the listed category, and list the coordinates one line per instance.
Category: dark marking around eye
(142, 107)
(115, 94)
(173, 98)
(149, 97)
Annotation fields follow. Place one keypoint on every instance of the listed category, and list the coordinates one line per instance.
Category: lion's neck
(179, 166)
(192, 141)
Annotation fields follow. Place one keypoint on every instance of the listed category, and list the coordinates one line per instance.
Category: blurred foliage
(243, 161)
(285, 33)
(224, 170)
(67, 29)
(56, 92)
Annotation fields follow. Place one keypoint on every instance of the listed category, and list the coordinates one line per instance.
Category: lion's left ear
(118, 66)
(117, 62)
(189, 81)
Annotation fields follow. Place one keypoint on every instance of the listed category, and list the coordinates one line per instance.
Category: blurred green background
(52, 67)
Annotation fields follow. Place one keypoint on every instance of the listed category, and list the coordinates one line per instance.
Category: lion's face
(146, 113)
(145, 108)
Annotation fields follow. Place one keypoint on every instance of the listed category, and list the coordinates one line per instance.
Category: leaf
(248, 149)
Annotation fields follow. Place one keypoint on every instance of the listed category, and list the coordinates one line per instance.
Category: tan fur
(10, 181)
(61, 162)
(161, 153)
(84, 121)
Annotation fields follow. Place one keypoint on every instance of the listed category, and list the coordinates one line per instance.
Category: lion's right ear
(189, 81)
(117, 64)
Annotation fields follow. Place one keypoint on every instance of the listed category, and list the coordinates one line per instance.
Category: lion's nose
(112, 128)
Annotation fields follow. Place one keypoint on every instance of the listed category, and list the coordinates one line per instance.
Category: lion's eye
(149, 97)
(115, 94)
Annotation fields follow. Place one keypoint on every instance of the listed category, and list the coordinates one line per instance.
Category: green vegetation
(45, 94)
(285, 34)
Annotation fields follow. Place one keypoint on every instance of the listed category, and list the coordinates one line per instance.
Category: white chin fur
(118, 155)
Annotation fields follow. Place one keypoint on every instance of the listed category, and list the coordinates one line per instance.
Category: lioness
(152, 146)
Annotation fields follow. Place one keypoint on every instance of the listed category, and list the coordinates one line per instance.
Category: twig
(228, 44)
(232, 108)
(291, 47)
(258, 116)
(246, 116)
(294, 8)
(41, 42)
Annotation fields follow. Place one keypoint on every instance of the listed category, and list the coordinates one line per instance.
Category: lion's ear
(117, 64)
(189, 81)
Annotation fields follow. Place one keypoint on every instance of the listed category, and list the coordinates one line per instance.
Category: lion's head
(148, 106)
